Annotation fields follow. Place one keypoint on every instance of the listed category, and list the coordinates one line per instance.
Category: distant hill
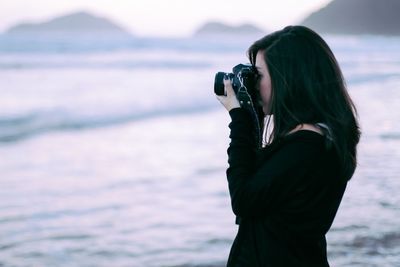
(381, 17)
(80, 23)
(217, 28)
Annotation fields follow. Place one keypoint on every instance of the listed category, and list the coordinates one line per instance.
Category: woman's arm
(256, 192)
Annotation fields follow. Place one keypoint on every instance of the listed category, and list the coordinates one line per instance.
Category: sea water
(113, 153)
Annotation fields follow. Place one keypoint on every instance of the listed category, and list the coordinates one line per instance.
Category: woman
(287, 193)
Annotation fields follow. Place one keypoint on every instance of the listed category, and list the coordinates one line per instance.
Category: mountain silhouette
(380, 17)
(217, 28)
(75, 23)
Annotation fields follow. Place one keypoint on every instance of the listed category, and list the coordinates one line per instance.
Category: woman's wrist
(239, 114)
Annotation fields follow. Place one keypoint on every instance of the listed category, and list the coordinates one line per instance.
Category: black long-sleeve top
(285, 197)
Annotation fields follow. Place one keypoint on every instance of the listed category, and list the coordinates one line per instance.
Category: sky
(177, 18)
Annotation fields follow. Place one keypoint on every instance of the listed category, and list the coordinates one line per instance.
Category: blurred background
(113, 145)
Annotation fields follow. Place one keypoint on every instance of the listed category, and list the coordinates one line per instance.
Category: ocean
(113, 152)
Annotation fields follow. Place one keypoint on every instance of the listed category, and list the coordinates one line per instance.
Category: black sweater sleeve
(256, 192)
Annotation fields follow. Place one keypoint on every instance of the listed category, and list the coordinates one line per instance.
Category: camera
(244, 82)
(244, 75)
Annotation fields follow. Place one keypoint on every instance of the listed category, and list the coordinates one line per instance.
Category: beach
(115, 154)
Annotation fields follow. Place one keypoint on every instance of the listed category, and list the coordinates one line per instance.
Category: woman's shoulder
(308, 126)
(305, 141)
(299, 136)
(304, 134)
(300, 147)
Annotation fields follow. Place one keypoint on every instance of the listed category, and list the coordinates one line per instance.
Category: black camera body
(244, 82)
(243, 75)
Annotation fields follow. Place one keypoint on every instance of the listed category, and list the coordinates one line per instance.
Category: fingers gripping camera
(244, 79)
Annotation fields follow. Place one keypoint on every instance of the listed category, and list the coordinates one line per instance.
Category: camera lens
(219, 88)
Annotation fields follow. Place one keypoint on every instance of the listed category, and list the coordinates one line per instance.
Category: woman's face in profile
(264, 82)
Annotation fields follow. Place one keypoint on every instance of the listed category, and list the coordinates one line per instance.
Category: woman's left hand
(229, 101)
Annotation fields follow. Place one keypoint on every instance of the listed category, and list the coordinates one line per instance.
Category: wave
(166, 64)
(222, 264)
(34, 44)
(388, 240)
(390, 136)
(372, 77)
(17, 128)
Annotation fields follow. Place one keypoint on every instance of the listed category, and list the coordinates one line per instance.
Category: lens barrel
(219, 88)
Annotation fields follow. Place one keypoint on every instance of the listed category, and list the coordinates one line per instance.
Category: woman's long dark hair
(308, 87)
